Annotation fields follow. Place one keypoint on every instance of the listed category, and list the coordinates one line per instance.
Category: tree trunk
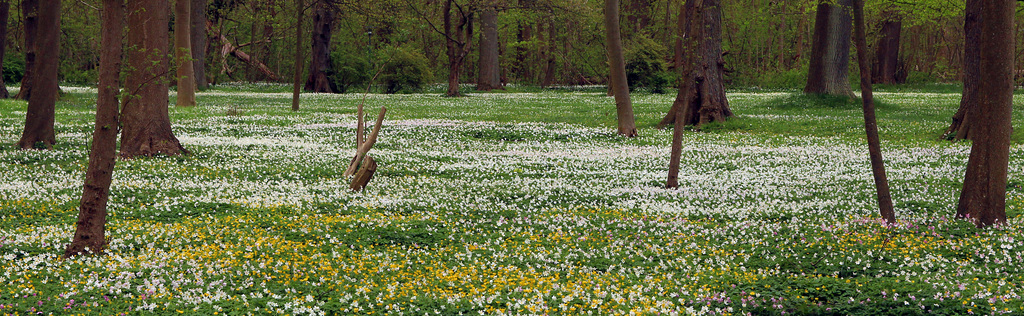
(961, 126)
(870, 125)
(489, 75)
(887, 57)
(458, 43)
(680, 35)
(320, 65)
(5, 12)
(39, 116)
(199, 42)
(983, 198)
(90, 229)
(549, 60)
(146, 123)
(701, 98)
(639, 16)
(183, 52)
(523, 65)
(830, 52)
(617, 64)
(30, 10)
(298, 55)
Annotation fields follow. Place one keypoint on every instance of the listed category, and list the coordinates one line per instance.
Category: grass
(522, 202)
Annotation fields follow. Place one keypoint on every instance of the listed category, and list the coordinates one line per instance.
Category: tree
(320, 64)
(183, 53)
(90, 229)
(146, 123)
(199, 42)
(870, 124)
(887, 68)
(299, 9)
(983, 198)
(457, 42)
(42, 102)
(5, 11)
(830, 52)
(489, 75)
(617, 64)
(701, 98)
(30, 11)
(960, 128)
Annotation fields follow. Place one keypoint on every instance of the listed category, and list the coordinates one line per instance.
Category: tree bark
(983, 198)
(639, 16)
(199, 42)
(960, 128)
(701, 98)
(489, 74)
(297, 65)
(39, 117)
(887, 68)
(457, 42)
(90, 229)
(870, 125)
(830, 52)
(549, 56)
(680, 35)
(183, 53)
(5, 13)
(146, 123)
(30, 10)
(618, 84)
(320, 65)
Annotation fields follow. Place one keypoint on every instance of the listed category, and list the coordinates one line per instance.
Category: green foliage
(784, 79)
(350, 69)
(405, 70)
(80, 77)
(645, 65)
(14, 68)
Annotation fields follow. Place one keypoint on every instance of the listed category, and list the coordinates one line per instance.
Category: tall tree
(618, 84)
(701, 98)
(983, 198)
(549, 54)
(297, 65)
(870, 124)
(183, 53)
(320, 64)
(39, 117)
(887, 68)
(90, 229)
(960, 128)
(830, 52)
(30, 12)
(146, 123)
(199, 42)
(489, 73)
(5, 12)
(457, 41)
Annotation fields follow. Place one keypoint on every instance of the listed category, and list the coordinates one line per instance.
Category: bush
(349, 69)
(645, 66)
(80, 77)
(405, 70)
(14, 68)
(784, 79)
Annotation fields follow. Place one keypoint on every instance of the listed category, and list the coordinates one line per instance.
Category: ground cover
(510, 203)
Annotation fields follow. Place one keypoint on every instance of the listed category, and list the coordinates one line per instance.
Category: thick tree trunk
(887, 57)
(297, 65)
(983, 199)
(870, 124)
(458, 43)
(30, 10)
(146, 123)
(489, 73)
(5, 13)
(90, 229)
(199, 42)
(830, 53)
(679, 37)
(549, 56)
(39, 116)
(701, 98)
(617, 64)
(320, 65)
(961, 126)
(183, 53)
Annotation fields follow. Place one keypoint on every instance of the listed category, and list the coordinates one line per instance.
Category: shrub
(349, 69)
(14, 68)
(405, 70)
(645, 65)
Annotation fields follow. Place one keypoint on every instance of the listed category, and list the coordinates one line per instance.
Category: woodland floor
(511, 203)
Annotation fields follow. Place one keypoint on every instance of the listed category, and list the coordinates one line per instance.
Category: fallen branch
(229, 48)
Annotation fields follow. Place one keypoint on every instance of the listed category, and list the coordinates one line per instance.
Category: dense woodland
(766, 43)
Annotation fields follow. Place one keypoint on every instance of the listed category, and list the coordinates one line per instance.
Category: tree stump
(364, 174)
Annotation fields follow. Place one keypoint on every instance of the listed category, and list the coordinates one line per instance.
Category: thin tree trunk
(701, 98)
(619, 85)
(887, 58)
(298, 55)
(870, 126)
(489, 74)
(5, 12)
(30, 10)
(830, 53)
(961, 126)
(983, 198)
(146, 123)
(183, 53)
(549, 60)
(39, 117)
(320, 65)
(680, 36)
(199, 42)
(90, 229)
